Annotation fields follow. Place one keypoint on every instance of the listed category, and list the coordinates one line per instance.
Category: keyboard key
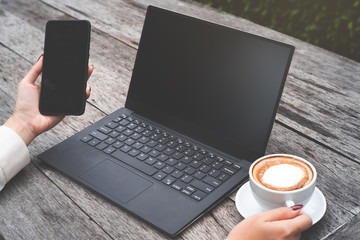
(177, 155)
(172, 144)
(186, 160)
(124, 122)
(147, 133)
(217, 165)
(139, 129)
(186, 178)
(191, 189)
(155, 136)
(163, 157)
(142, 156)
(198, 156)
(171, 161)
(134, 163)
(177, 174)
(180, 166)
(86, 138)
(214, 173)
(195, 164)
(138, 145)
(201, 186)
(223, 177)
(160, 147)
(228, 163)
(131, 126)
(208, 161)
(154, 153)
(189, 152)
(168, 169)
(180, 148)
(134, 152)
(220, 159)
(118, 119)
(101, 146)
(125, 148)
(212, 181)
(159, 165)
(186, 192)
(159, 175)
(178, 185)
(199, 175)
(114, 134)
(168, 180)
(144, 140)
(190, 170)
(169, 151)
(152, 143)
(205, 168)
(98, 135)
(164, 140)
(135, 136)
(110, 140)
(198, 195)
(122, 137)
(237, 166)
(129, 141)
(112, 125)
(145, 149)
(120, 128)
(104, 130)
(93, 142)
(228, 170)
(150, 161)
(128, 132)
(118, 144)
(109, 150)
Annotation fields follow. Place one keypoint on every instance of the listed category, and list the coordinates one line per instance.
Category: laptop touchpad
(112, 179)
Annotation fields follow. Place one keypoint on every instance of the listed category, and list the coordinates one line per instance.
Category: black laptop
(200, 108)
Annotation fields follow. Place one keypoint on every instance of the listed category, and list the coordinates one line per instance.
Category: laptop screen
(215, 84)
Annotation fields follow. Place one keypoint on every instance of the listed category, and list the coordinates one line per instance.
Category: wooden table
(318, 119)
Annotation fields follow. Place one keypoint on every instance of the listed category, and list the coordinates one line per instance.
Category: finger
(35, 71)
(282, 213)
(295, 225)
(88, 91)
(90, 70)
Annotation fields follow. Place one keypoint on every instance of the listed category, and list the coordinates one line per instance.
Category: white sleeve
(14, 155)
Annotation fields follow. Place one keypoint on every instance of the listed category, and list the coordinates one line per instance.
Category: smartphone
(65, 67)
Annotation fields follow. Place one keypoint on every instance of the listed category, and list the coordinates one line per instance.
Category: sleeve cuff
(14, 154)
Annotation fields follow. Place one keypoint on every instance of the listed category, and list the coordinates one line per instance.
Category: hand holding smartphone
(65, 67)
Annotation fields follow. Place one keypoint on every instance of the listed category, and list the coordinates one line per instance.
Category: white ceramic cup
(270, 199)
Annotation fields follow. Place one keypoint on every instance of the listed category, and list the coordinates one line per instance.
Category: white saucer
(247, 205)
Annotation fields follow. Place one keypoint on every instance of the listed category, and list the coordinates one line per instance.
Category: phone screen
(65, 67)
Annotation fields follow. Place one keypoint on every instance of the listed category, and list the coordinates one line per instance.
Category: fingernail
(93, 66)
(89, 88)
(297, 207)
(40, 57)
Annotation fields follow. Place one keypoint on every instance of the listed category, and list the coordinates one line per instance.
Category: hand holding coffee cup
(282, 180)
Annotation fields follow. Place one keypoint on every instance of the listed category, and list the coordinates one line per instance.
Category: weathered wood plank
(349, 231)
(327, 113)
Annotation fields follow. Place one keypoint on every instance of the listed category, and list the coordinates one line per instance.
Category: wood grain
(322, 125)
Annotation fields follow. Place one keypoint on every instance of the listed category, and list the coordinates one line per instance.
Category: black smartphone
(65, 67)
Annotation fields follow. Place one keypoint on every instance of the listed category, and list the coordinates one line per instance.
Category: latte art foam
(283, 176)
(282, 173)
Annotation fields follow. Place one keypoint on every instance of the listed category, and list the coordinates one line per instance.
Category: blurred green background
(330, 24)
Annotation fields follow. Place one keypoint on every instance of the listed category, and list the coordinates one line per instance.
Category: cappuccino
(282, 173)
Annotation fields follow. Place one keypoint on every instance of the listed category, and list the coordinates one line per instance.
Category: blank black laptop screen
(218, 85)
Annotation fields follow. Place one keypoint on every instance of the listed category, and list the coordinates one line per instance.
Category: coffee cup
(282, 180)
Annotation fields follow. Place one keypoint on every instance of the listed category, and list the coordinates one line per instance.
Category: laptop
(200, 108)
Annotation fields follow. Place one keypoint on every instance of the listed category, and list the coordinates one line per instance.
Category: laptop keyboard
(177, 163)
